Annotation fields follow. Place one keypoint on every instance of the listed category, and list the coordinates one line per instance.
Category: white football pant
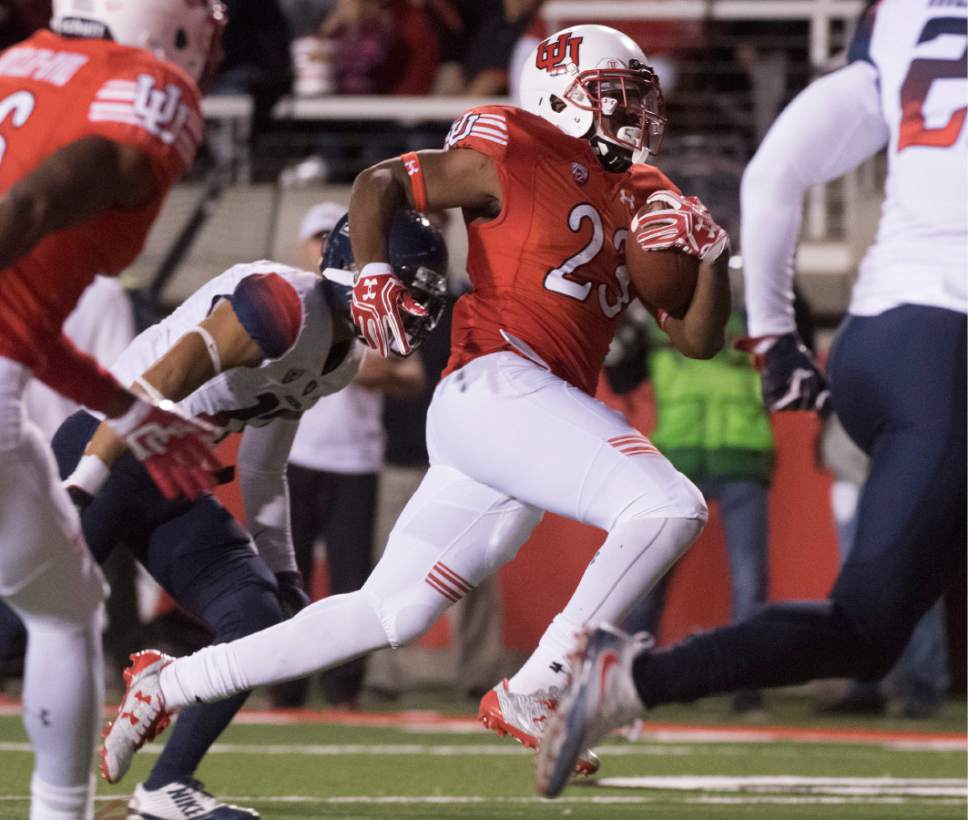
(507, 440)
(47, 575)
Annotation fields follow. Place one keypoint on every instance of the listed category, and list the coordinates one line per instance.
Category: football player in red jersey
(548, 193)
(97, 121)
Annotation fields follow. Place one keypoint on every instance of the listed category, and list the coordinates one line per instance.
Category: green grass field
(421, 764)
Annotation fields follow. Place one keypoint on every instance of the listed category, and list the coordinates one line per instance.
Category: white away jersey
(286, 313)
(919, 49)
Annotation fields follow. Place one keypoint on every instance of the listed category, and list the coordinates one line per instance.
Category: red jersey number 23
(566, 278)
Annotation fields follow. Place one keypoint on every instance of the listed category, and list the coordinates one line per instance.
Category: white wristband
(764, 344)
(376, 269)
(89, 475)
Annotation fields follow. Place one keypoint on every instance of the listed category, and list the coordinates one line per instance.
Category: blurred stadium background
(291, 125)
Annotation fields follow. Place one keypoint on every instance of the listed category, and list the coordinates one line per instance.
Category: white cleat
(184, 799)
(523, 717)
(141, 716)
(600, 697)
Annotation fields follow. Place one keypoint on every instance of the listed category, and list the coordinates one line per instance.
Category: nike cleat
(523, 717)
(141, 716)
(184, 799)
(600, 697)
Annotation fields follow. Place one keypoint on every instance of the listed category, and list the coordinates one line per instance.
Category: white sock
(325, 634)
(635, 555)
(49, 802)
(547, 667)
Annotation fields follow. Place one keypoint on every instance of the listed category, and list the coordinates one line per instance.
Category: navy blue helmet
(418, 255)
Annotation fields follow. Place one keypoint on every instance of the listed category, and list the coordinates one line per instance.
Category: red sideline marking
(419, 717)
(429, 717)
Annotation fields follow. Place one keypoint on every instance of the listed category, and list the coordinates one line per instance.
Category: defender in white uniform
(277, 339)
(897, 379)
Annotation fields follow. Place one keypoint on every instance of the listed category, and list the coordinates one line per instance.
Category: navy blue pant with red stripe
(898, 386)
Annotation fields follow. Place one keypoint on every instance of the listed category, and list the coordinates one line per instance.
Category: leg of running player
(545, 442)
(205, 561)
(50, 580)
(554, 447)
(452, 533)
(901, 396)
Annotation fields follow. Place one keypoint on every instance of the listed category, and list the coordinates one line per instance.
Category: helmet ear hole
(557, 104)
(181, 39)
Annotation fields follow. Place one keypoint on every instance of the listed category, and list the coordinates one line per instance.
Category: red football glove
(378, 299)
(684, 224)
(176, 451)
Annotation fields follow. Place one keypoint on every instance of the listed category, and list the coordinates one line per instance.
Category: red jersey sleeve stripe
(483, 129)
(487, 137)
(494, 119)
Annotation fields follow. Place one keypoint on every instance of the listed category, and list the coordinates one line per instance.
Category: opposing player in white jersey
(513, 429)
(250, 351)
(897, 379)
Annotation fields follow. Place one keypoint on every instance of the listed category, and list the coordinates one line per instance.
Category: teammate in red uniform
(94, 129)
(513, 429)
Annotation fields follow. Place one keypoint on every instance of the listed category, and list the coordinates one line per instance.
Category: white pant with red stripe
(47, 575)
(507, 440)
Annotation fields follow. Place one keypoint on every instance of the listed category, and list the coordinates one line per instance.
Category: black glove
(790, 377)
(292, 593)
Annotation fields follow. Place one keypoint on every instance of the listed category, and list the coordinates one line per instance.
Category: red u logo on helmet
(551, 54)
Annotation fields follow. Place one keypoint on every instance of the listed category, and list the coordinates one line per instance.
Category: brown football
(663, 279)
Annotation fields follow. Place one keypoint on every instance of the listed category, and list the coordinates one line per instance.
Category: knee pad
(69, 592)
(654, 489)
(683, 500)
(407, 613)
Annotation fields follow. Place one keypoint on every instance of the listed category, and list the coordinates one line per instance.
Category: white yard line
(506, 749)
(391, 800)
(812, 786)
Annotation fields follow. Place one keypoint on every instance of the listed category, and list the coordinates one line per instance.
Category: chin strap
(612, 157)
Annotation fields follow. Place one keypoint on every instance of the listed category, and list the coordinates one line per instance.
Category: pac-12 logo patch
(553, 53)
(579, 172)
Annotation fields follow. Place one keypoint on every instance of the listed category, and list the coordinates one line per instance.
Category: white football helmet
(185, 32)
(593, 82)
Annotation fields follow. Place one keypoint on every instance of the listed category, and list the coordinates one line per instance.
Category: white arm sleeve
(261, 466)
(830, 127)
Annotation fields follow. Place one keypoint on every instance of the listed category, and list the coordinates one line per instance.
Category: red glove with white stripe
(679, 222)
(379, 300)
(175, 450)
